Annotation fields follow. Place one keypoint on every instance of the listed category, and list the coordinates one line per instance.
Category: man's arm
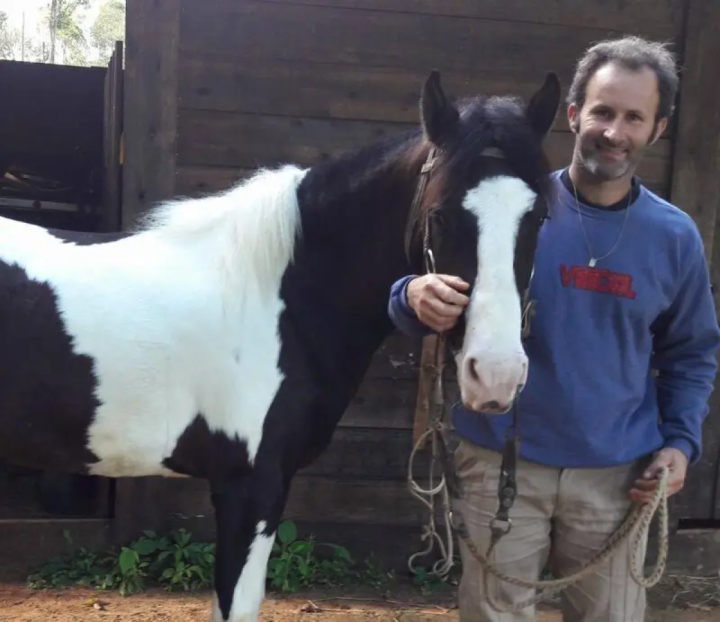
(401, 314)
(686, 341)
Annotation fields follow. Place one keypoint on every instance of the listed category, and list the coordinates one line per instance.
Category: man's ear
(437, 115)
(573, 116)
(660, 127)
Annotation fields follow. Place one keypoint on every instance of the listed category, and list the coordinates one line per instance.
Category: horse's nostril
(491, 406)
(472, 370)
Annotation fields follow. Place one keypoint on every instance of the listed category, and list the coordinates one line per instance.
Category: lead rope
(636, 525)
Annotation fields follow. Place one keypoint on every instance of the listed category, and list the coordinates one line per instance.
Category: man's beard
(591, 159)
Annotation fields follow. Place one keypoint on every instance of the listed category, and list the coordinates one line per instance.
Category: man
(622, 288)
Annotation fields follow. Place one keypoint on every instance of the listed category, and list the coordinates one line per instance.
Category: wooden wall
(262, 82)
(216, 88)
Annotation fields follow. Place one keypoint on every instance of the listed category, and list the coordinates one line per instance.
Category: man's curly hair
(633, 53)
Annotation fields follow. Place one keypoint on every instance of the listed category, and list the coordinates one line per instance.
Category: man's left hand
(676, 462)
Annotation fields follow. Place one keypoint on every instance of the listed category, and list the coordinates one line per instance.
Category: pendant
(592, 262)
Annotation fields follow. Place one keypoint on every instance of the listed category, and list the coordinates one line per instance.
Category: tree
(108, 28)
(10, 43)
(63, 18)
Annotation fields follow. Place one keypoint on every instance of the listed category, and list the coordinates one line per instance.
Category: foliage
(63, 18)
(109, 27)
(176, 562)
(9, 39)
(172, 561)
(72, 32)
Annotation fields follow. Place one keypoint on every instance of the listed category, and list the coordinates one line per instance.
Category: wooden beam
(696, 154)
(112, 195)
(695, 188)
(148, 155)
(150, 128)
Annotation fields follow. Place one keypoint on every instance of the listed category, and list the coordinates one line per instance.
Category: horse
(223, 336)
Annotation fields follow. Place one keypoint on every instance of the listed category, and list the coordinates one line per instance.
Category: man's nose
(613, 132)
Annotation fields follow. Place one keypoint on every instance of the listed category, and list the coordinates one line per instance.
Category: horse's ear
(543, 106)
(438, 116)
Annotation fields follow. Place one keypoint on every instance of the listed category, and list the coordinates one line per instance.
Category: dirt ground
(675, 601)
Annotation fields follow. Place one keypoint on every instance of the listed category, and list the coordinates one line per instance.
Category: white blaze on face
(492, 364)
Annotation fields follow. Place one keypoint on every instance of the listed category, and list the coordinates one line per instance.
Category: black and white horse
(225, 336)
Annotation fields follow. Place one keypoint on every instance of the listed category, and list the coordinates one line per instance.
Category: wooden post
(695, 188)
(148, 153)
(151, 102)
(111, 212)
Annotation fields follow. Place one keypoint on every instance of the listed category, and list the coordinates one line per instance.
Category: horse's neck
(355, 235)
(352, 250)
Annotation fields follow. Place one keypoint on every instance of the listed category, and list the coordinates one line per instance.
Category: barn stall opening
(212, 90)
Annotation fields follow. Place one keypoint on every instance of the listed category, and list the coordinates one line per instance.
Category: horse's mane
(252, 225)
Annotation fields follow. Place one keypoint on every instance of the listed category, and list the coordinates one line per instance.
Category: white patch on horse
(163, 315)
(492, 363)
(250, 588)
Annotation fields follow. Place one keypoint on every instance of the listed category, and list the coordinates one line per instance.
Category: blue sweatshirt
(591, 399)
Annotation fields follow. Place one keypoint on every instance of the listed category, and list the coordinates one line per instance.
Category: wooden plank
(333, 90)
(696, 189)
(696, 149)
(139, 505)
(313, 499)
(197, 181)
(262, 31)
(150, 102)
(110, 217)
(382, 403)
(649, 18)
(693, 552)
(208, 138)
(29, 544)
(355, 453)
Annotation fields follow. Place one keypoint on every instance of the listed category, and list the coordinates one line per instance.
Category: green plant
(177, 562)
(294, 564)
(172, 561)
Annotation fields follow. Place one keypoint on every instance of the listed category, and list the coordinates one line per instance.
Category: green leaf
(287, 532)
(127, 560)
(145, 546)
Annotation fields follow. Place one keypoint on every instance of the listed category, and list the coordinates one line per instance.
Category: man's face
(617, 121)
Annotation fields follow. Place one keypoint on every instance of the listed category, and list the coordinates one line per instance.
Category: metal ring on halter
(430, 260)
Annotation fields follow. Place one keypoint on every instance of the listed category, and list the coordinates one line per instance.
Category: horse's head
(479, 216)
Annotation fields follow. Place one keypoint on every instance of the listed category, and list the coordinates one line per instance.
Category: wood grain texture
(246, 141)
(651, 18)
(339, 91)
(151, 98)
(696, 189)
(150, 147)
(283, 31)
(326, 499)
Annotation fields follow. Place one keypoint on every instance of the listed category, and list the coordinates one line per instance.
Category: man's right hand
(437, 299)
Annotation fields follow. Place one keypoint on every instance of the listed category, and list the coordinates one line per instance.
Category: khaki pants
(560, 518)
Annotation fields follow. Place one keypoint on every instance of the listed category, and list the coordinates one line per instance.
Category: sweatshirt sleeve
(685, 343)
(402, 316)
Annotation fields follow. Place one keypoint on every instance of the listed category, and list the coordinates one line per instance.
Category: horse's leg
(247, 513)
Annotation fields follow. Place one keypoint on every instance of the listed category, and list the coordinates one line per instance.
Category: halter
(501, 523)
